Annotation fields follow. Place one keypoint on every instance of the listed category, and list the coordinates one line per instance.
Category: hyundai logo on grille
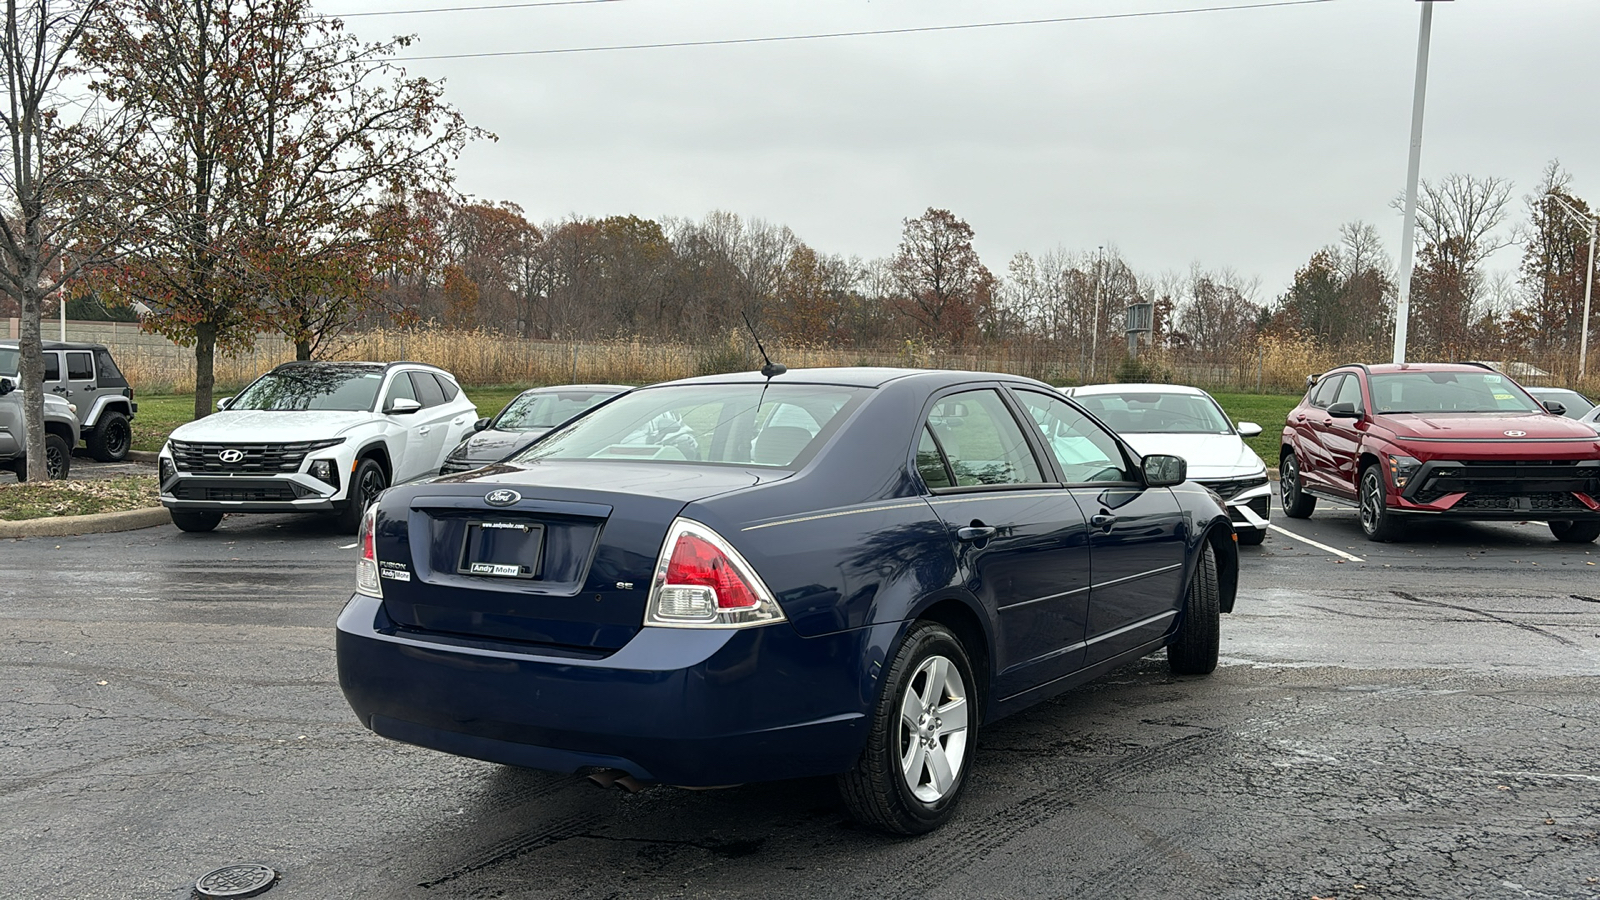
(231, 456)
(502, 497)
(1514, 433)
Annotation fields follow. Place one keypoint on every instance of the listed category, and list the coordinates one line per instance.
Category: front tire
(1378, 522)
(1297, 504)
(195, 521)
(1251, 537)
(1568, 532)
(1194, 649)
(111, 438)
(366, 483)
(57, 459)
(924, 730)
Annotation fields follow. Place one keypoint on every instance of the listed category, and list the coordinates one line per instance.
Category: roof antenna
(771, 369)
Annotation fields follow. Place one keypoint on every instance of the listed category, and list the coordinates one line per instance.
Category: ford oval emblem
(501, 497)
(231, 455)
(1514, 433)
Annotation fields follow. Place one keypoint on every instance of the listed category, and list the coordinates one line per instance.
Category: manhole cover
(245, 880)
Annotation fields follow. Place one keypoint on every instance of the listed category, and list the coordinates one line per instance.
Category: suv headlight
(1401, 469)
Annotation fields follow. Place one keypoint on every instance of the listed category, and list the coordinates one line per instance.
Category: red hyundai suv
(1456, 440)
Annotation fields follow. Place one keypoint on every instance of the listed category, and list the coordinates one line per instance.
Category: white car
(313, 437)
(1187, 422)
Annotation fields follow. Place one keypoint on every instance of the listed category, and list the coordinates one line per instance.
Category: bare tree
(60, 215)
(1459, 218)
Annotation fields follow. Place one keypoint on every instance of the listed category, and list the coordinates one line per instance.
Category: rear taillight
(702, 582)
(367, 566)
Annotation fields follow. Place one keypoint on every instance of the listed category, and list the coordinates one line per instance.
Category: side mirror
(1249, 429)
(6, 386)
(1162, 470)
(401, 406)
(1344, 411)
(223, 403)
(1556, 406)
(481, 424)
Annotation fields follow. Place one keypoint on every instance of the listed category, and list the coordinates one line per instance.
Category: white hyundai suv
(313, 437)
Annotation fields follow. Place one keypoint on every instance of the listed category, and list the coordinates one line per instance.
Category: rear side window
(108, 367)
(982, 440)
(80, 367)
(52, 367)
(428, 391)
(930, 462)
(447, 386)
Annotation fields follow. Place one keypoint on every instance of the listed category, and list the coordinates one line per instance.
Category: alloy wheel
(933, 729)
(1371, 503)
(55, 463)
(371, 485)
(1289, 480)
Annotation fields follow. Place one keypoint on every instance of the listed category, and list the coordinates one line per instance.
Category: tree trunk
(302, 350)
(31, 370)
(205, 374)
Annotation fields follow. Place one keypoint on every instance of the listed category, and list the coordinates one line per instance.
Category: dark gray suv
(87, 377)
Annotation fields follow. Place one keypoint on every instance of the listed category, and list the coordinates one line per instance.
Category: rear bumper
(679, 706)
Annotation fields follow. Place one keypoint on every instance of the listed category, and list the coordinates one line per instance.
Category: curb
(98, 523)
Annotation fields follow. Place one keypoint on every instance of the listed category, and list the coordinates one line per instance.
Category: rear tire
(1297, 504)
(1194, 649)
(111, 437)
(1569, 532)
(924, 730)
(196, 521)
(366, 483)
(57, 459)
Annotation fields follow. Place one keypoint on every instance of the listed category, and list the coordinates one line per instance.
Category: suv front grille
(1229, 488)
(1495, 481)
(253, 459)
(256, 491)
(1535, 502)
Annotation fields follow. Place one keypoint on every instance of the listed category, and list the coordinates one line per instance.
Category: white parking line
(347, 546)
(1320, 546)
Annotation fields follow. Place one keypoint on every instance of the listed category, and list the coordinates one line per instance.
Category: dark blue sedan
(740, 578)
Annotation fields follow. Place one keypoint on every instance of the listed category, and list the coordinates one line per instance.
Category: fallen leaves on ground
(41, 499)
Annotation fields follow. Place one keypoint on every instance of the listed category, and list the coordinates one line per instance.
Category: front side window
(311, 387)
(399, 389)
(777, 425)
(982, 440)
(1326, 389)
(1085, 451)
(1449, 392)
(1350, 392)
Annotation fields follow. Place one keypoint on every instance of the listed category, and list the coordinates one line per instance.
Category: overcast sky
(1237, 139)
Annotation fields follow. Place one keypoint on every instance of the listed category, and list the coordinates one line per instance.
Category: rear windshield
(1447, 392)
(1157, 412)
(780, 425)
(546, 409)
(311, 387)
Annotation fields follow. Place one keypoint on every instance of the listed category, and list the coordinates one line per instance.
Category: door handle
(1300, 417)
(1103, 521)
(1327, 423)
(976, 532)
(423, 430)
(60, 390)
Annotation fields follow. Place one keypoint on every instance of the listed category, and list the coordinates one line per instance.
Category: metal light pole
(1588, 281)
(1402, 309)
(1094, 332)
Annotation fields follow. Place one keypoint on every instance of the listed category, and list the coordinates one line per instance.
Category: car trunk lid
(558, 552)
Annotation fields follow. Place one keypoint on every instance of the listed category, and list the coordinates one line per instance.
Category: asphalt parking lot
(1410, 720)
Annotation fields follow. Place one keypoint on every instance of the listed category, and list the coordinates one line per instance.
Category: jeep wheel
(366, 484)
(111, 437)
(1297, 504)
(1569, 532)
(198, 521)
(57, 459)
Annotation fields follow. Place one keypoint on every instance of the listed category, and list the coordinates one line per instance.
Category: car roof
(356, 365)
(551, 388)
(1397, 368)
(1136, 388)
(56, 345)
(859, 376)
